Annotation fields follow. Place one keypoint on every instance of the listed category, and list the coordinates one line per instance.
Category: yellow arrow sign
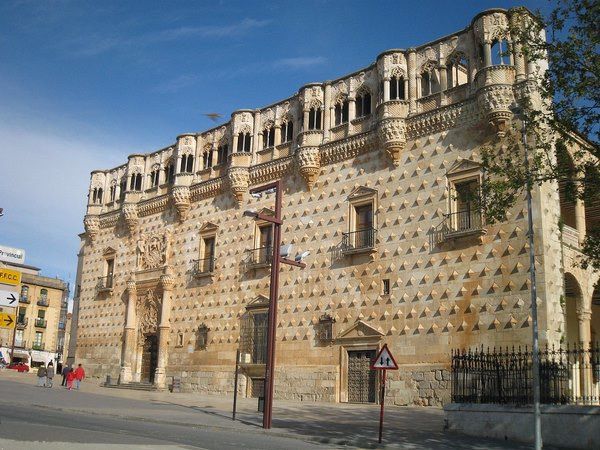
(8, 276)
(7, 320)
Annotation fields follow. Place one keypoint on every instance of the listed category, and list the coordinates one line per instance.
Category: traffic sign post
(10, 277)
(8, 297)
(384, 361)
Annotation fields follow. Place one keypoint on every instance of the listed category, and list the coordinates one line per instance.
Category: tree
(559, 104)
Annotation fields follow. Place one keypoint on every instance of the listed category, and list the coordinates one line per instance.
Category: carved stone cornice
(442, 119)
(309, 164)
(153, 205)
(392, 134)
(109, 219)
(348, 148)
(272, 170)
(207, 189)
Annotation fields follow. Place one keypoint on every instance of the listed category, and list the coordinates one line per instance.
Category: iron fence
(253, 337)
(105, 282)
(361, 239)
(261, 256)
(204, 266)
(568, 375)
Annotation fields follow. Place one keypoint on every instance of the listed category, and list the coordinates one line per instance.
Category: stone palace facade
(381, 174)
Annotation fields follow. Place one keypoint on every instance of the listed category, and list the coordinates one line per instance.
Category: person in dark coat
(49, 374)
(65, 371)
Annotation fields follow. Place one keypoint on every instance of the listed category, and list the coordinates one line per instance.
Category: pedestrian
(79, 376)
(41, 373)
(70, 379)
(59, 367)
(64, 373)
(49, 374)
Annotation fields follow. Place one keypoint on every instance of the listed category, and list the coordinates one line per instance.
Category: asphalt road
(36, 427)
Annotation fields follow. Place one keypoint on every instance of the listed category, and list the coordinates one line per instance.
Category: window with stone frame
(207, 157)
(170, 173)
(314, 118)
(222, 153)
(363, 103)
(244, 143)
(268, 137)
(397, 88)
(457, 70)
(136, 182)
(325, 328)
(155, 176)
(430, 83)
(464, 184)
(187, 164)
(202, 337)
(362, 230)
(500, 52)
(24, 297)
(341, 111)
(253, 332)
(122, 189)
(113, 191)
(287, 131)
(97, 196)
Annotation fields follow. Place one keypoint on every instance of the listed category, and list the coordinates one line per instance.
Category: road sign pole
(12, 347)
(382, 401)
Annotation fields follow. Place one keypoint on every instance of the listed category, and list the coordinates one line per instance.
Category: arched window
(268, 136)
(457, 70)
(287, 131)
(97, 195)
(44, 295)
(429, 82)
(113, 192)
(500, 52)
(222, 152)
(341, 112)
(136, 182)
(170, 173)
(122, 188)
(24, 293)
(154, 177)
(244, 142)
(363, 104)
(314, 118)
(207, 158)
(187, 164)
(397, 88)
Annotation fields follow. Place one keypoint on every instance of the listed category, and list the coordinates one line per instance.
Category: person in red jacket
(70, 379)
(79, 376)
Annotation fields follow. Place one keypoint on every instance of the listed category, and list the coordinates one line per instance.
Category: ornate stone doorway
(361, 379)
(149, 358)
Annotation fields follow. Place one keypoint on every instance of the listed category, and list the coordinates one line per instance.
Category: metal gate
(361, 379)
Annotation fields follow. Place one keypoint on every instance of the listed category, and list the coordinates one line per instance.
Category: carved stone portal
(309, 164)
(152, 251)
(147, 312)
(392, 135)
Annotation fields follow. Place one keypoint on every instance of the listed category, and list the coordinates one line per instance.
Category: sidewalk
(326, 423)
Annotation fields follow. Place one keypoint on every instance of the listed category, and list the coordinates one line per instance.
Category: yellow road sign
(7, 320)
(8, 276)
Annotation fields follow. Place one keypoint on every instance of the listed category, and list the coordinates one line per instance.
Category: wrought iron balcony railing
(359, 241)
(20, 343)
(459, 224)
(40, 323)
(259, 257)
(21, 322)
(38, 346)
(42, 302)
(204, 266)
(24, 299)
(105, 283)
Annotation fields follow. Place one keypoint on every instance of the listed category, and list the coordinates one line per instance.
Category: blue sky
(85, 83)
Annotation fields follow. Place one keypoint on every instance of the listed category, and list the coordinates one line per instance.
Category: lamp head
(250, 213)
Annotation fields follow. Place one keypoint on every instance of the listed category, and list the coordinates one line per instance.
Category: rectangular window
(110, 268)
(19, 339)
(386, 287)
(41, 313)
(207, 263)
(466, 215)
(39, 337)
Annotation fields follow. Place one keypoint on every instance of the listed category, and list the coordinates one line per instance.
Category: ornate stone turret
(309, 164)
(92, 226)
(181, 200)
(130, 216)
(238, 174)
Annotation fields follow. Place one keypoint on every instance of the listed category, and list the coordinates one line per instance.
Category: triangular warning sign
(384, 360)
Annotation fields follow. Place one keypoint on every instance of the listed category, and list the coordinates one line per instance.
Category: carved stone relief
(152, 251)
(147, 312)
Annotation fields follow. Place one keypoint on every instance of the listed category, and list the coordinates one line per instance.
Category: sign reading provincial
(10, 277)
(8, 297)
(384, 360)
(12, 255)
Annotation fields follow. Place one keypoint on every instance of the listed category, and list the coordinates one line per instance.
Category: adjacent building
(41, 317)
(381, 177)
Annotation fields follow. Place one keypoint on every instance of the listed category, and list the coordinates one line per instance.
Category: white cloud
(300, 62)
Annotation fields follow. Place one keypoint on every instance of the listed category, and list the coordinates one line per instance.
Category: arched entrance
(573, 301)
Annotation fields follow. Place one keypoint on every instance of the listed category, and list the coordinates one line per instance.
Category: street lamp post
(276, 260)
(537, 418)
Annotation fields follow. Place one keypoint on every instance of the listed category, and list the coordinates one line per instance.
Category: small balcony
(42, 302)
(24, 299)
(259, 257)
(105, 284)
(20, 343)
(22, 322)
(40, 323)
(204, 267)
(38, 346)
(360, 241)
(458, 225)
